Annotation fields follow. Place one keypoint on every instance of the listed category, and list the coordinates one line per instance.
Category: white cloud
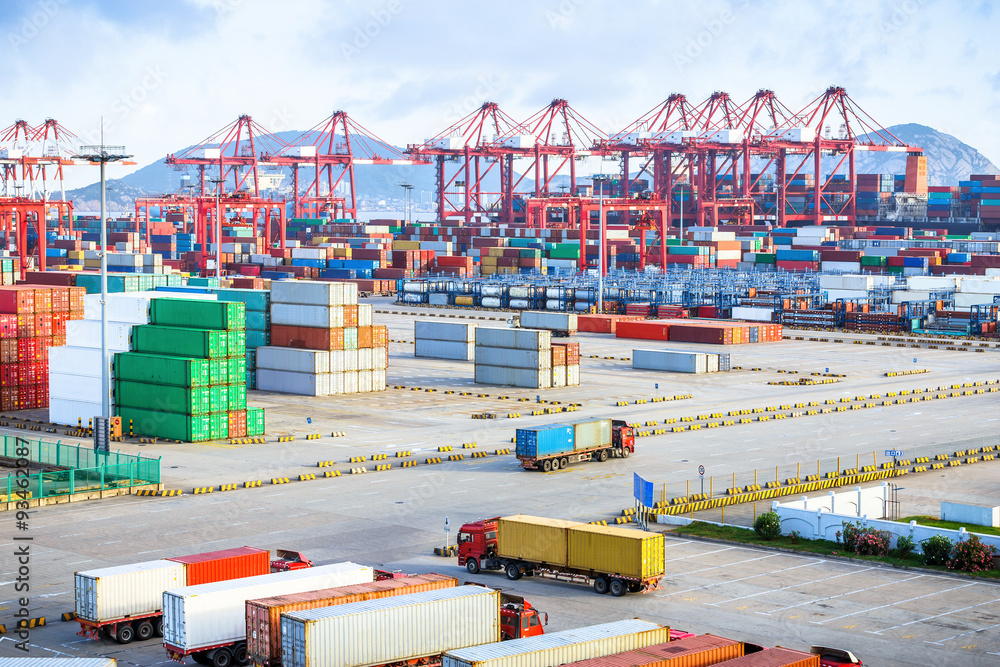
(403, 68)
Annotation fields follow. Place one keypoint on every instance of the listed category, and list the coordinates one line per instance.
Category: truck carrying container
(560, 648)
(126, 601)
(555, 446)
(209, 621)
(263, 615)
(612, 559)
(391, 630)
(695, 651)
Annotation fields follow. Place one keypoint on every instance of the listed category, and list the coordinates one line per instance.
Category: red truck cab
(622, 437)
(519, 619)
(288, 560)
(477, 540)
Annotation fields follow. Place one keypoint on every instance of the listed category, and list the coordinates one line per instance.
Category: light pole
(102, 155)
(601, 179)
(406, 200)
(218, 228)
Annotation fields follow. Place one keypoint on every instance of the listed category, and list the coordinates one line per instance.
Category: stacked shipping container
(514, 357)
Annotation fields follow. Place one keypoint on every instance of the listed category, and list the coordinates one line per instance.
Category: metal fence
(86, 469)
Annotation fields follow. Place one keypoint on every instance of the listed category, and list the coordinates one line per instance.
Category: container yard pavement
(393, 518)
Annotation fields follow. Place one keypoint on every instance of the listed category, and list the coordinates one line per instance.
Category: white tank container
(210, 614)
(126, 590)
(491, 302)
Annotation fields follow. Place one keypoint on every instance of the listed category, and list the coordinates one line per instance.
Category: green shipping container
(872, 260)
(255, 421)
(169, 425)
(198, 314)
(237, 367)
(256, 300)
(237, 342)
(220, 398)
(767, 258)
(218, 371)
(350, 338)
(161, 369)
(163, 398)
(180, 341)
(203, 282)
(565, 251)
(237, 396)
(218, 426)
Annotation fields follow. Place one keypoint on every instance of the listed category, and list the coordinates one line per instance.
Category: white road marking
(785, 588)
(927, 618)
(893, 604)
(703, 553)
(833, 597)
(970, 632)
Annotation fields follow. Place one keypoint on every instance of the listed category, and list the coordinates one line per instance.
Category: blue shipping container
(544, 441)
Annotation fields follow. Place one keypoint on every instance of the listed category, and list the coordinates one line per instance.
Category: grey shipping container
(452, 331)
(125, 590)
(591, 433)
(514, 377)
(559, 648)
(500, 356)
(518, 339)
(534, 319)
(293, 359)
(444, 349)
(391, 630)
(674, 361)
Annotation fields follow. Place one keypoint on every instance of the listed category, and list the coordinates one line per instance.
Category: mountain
(948, 161)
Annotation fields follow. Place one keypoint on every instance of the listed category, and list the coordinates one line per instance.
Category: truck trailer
(555, 446)
(612, 559)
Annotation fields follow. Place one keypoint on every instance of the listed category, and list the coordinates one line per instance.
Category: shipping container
(519, 339)
(294, 359)
(168, 425)
(391, 630)
(297, 315)
(514, 377)
(695, 651)
(559, 648)
(448, 331)
(196, 617)
(535, 539)
(646, 330)
(126, 590)
(264, 615)
(197, 313)
(511, 358)
(180, 341)
(444, 349)
(313, 293)
(289, 382)
(541, 441)
(774, 657)
(611, 549)
(165, 398)
(562, 322)
(675, 361)
(591, 433)
(156, 369)
(212, 566)
(58, 662)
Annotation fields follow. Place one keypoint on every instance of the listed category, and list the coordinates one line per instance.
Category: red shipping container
(237, 423)
(213, 566)
(9, 375)
(712, 334)
(603, 323)
(572, 353)
(645, 330)
(248, 283)
(8, 351)
(17, 300)
(8, 325)
(308, 338)
(8, 398)
(43, 324)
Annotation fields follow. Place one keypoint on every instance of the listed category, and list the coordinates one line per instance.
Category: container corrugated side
(559, 648)
(293, 359)
(210, 614)
(614, 550)
(313, 293)
(516, 339)
(297, 315)
(156, 369)
(393, 629)
(508, 358)
(699, 651)
(514, 377)
(126, 590)
(198, 314)
(542, 441)
(212, 566)
(264, 615)
(591, 433)
(180, 341)
(677, 361)
(533, 319)
(536, 539)
(300, 384)
(444, 349)
(447, 331)
(774, 657)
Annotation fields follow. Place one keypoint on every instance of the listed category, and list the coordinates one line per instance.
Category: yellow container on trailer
(535, 539)
(614, 550)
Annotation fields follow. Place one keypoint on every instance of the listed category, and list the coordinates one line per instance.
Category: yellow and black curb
(314, 436)
(338, 434)
(456, 457)
(228, 487)
(305, 477)
(433, 459)
(251, 485)
(325, 464)
(286, 438)
(357, 459)
(404, 454)
(479, 455)
(359, 471)
(383, 466)
(279, 480)
(408, 464)
(69, 616)
(379, 457)
(202, 489)
(332, 473)
(501, 452)
(246, 441)
(447, 552)
(469, 445)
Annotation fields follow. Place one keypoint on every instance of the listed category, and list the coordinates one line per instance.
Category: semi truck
(555, 446)
(611, 559)
(125, 602)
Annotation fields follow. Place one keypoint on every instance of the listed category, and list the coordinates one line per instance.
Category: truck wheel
(563, 462)
(634, 587)
(603, 456)
(240, 654)
(513, 572)
(601, 585)
(617, 588)
(222, 658)
(472, 565)
(158, 626)
(546, 465)
(626, 452)
(144, 630)
(125, 634)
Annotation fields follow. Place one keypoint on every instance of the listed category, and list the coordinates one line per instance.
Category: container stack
(32, 319)
(679, 361)
(258, 309)
(185, 376)
(444, 340)
(565, 364)
(323, 342)
(514, 357)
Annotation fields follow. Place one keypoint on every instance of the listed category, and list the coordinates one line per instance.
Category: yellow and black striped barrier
(250, 485)
(479, 455)
(246, 441)
(379, 457)
(502, 452)
(403, 454)
(601, 522)
(445, 448)
(469, 445)
(286, 438)
(383, 466)
(314, 436)
(146, 492)
(359, 471)
(338, 434)
(456, 457)
(203, 489)
(279, 480)
(305, 477)
(325, 464)
(69, 616)
(332, 473)
(433, 459)
(408, 464)
(513, 415)
(228, 487)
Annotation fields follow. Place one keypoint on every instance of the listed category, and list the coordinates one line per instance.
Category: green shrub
(905, 546)
(768, 526)
(937, 550)
(971, 555)
(865, 540)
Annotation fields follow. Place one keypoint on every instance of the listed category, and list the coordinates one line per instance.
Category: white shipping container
(314, 293)
(449, 331)
(514, 377)
(380, 358)
(126, 590)
(365, 359)
(845, 267)
(444, 349)
(132, 307)
(73, 412)
(966, 300)
(499, 356)
(899, 296)
(351, 382)
(364, 314)
(212, 614)
(573, 375)
(298, 315)
(752, 314)
(558, 376)
(674, 361)
(365, 382)
(379, 380)
(980, 285)
(73, 387)
(391, 630)
(87, 333)
(833, 294)
(293, 360)
(309, 253)
(343, 360)
(287, 382)
(521, 339)
(559, 648)
(85, 361)
(535, 319)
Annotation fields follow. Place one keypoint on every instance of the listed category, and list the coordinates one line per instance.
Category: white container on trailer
(126, 590)
(207, 615)
(392, 629)
(559, 648)
(534, 319)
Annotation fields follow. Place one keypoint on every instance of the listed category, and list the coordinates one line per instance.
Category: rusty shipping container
(264, 615)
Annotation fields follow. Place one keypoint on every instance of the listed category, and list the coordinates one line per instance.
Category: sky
(165, 74)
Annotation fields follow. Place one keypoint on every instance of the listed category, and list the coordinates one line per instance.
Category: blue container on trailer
(542, 441)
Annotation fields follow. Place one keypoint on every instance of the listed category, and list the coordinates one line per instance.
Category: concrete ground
(394, 518)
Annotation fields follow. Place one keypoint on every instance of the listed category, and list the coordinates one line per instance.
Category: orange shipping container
(774, 657)
(364, 337)
(264, 615)
(309, 338)
(213, 566)
(380, 335)
(698, 651)
(558, 354)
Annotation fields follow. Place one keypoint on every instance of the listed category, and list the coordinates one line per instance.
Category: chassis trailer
(555, 446)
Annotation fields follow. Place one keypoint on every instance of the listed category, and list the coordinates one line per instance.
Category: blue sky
(166, 74)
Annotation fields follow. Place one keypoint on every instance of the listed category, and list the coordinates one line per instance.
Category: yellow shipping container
(74, 254)
(406, 245)
(92, 263)
(535, 539)
(491, 261)
(614, 550)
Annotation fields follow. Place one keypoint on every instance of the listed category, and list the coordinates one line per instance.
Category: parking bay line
(919, 597)
(927, 618)
(831, 597)
(733, 581)
(783, 588)
(704, 553)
